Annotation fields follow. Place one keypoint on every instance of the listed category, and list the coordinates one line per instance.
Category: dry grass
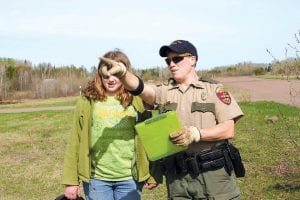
(241, 95)
(31, 154)
(32, 147)
(25, 103)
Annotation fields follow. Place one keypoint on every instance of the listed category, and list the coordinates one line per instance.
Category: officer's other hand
(72, 192)
(185, 136)
(150, 186)
(112, 68)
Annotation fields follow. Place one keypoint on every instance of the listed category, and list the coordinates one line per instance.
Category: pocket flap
(203, 107)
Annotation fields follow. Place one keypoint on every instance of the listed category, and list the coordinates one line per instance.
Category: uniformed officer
(207, 112)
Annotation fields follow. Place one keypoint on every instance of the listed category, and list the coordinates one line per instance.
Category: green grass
(31, 153)
(270, 151)
(32, 147)
(33, 103)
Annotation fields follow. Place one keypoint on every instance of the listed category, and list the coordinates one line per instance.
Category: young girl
(104, 151)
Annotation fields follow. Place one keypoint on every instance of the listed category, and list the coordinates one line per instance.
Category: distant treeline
(285, 68)
(20, 79)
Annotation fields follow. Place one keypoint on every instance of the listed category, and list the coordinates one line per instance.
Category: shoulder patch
(209, 80)
(223, 95)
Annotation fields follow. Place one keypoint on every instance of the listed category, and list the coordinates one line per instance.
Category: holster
(168, 164)
(180, 164)
(192, 165)
(228, 162)
(236, 160)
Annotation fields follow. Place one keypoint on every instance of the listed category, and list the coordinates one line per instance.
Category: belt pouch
(237, 162)
(192, 165)
(181, 166)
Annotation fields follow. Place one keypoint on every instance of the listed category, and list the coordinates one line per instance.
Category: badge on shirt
(223, 95)
(203, 96)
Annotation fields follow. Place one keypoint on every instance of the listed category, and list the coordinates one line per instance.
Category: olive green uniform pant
(211, 185)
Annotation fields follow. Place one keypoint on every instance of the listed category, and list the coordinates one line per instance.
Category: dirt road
(242, 88)
(254, 89)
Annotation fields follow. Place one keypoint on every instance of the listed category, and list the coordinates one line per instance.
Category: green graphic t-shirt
(112, 139)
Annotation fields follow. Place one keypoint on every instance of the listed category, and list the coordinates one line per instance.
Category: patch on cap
(223, 95)
(177, 42)
(178, 46)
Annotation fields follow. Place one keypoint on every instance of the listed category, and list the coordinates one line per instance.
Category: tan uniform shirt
(203, 105)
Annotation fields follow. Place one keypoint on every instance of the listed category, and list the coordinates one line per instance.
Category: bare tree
(2, 81)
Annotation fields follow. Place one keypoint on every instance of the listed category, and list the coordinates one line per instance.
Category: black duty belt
(195, 163)
(226, 155)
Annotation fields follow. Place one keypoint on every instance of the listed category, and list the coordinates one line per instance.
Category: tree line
(20, 79)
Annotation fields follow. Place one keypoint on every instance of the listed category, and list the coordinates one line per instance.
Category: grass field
(34, 103)
(32, 147)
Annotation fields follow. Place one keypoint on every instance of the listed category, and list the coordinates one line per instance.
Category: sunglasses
(176, 59)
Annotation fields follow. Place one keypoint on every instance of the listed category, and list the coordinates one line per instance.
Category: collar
(196, 83)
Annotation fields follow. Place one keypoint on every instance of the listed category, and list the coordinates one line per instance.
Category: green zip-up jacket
(77, 161)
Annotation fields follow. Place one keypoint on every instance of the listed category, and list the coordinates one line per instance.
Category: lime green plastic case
(154, 134)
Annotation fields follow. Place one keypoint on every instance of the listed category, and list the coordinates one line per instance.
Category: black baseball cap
(178, 46)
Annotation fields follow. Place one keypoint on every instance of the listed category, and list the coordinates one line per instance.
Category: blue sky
(77, 32)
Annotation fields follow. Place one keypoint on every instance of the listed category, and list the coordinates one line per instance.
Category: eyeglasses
(176, 59)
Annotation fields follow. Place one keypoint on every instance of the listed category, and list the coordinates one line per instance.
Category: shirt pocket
(203, 107)
(167, 107)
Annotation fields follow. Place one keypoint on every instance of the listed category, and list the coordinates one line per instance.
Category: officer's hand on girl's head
(112, 68)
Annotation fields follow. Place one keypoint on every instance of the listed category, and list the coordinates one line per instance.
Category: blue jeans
(112, 190)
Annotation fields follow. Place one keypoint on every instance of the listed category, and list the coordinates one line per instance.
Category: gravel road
(242, 88)
(282, 91)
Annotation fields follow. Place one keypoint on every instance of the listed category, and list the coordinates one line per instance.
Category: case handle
(156, 118)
